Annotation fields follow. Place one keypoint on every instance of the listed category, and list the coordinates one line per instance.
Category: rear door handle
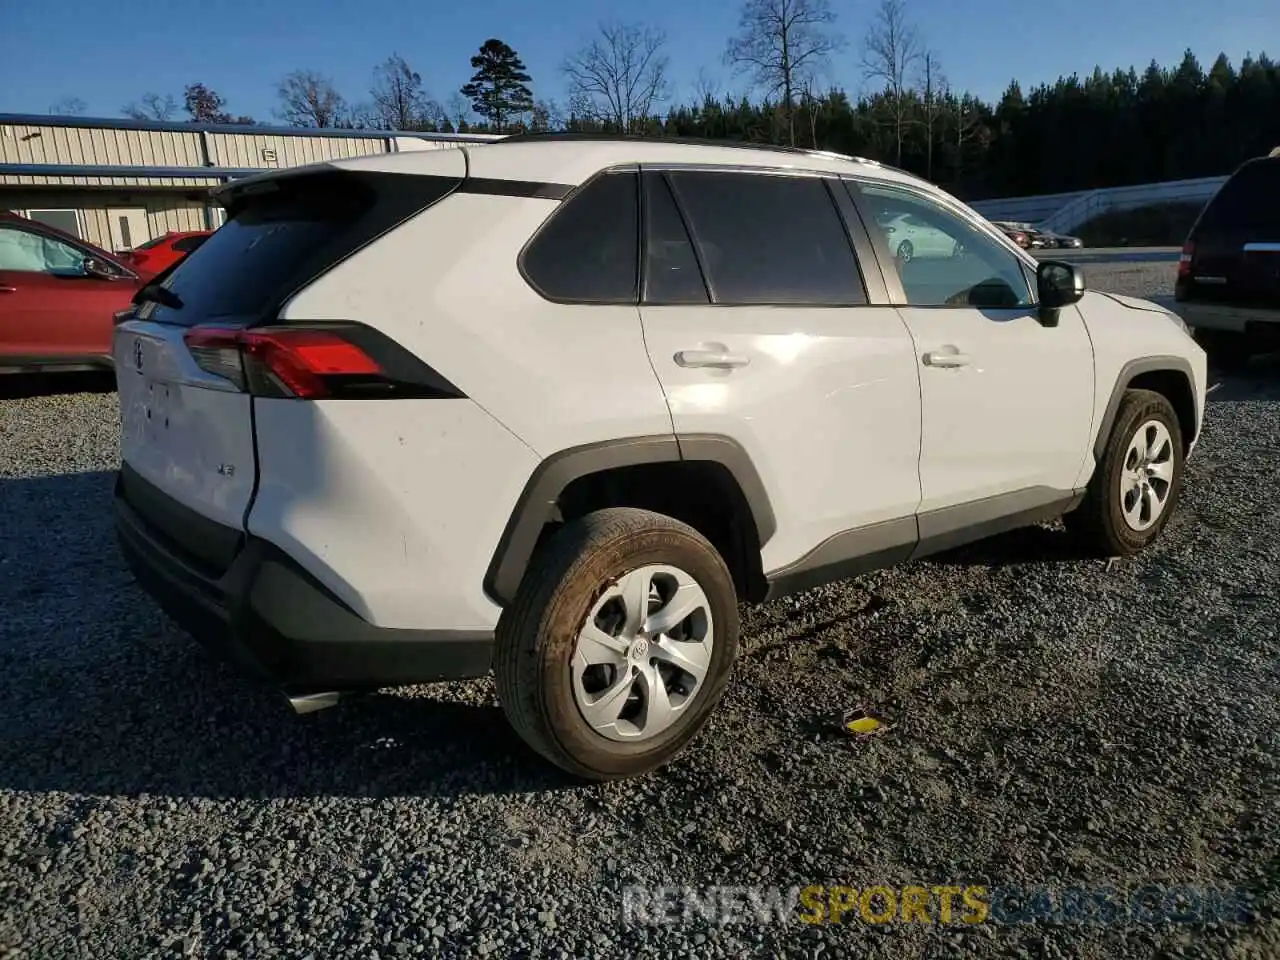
(6, 289)
(710, 358)
(940, 358)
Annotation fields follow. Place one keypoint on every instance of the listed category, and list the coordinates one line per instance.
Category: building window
(68, 221)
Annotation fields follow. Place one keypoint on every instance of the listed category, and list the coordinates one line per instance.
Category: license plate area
(157, 408)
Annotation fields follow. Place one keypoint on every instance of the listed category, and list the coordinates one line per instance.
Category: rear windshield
(1250, 200)
(156, 241)
(280, 235)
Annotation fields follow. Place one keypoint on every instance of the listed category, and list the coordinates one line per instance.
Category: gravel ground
(1057, 723)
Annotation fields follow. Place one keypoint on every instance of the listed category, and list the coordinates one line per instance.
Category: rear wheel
(619, 643)
(1135, 485)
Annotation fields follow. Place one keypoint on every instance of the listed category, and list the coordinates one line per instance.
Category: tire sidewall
(1134, 415)
(574, 598)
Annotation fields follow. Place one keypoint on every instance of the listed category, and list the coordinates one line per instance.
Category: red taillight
(301, 360)
(281, 362)
(1184, 261)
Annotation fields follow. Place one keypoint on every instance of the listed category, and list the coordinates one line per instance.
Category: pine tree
(499, 89)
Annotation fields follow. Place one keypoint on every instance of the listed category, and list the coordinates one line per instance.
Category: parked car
(910, 237)
(1036, 239)
(1228, 282)
(1017, 235)
(58, 295)
(1061, 240)
(334, 471)
(158, 254)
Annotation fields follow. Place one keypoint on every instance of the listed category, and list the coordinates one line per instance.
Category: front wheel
(906, 252)
(619, 643)
(1136, 483)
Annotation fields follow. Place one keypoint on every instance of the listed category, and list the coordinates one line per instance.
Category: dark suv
(1228, 287)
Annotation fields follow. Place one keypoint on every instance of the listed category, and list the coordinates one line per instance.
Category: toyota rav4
(554, 406)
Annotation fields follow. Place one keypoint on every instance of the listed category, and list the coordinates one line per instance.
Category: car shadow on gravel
(1039, 544)
(18, 386)
(101, 694)
(1259, 380)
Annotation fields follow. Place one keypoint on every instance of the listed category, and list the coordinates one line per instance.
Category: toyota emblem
(137, 354)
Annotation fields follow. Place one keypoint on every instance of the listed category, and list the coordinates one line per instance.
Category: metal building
(119, 183)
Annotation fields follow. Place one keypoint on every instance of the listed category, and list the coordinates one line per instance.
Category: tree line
(1103, 129)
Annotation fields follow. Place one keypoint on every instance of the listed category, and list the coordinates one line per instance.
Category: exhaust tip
(311, 702)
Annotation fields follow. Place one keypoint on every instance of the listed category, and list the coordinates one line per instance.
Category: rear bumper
(1254, 321)
(271, 618)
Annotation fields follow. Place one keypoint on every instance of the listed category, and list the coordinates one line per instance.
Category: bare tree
(398, 97)
(706, 87)
(547, 117)
(967, 119)
(933, 92)
(308, 99)
(68, 107)
(780, 43)
(811, 109)
(151, 106)
(619, 76)
(890, 53)
(458, 112)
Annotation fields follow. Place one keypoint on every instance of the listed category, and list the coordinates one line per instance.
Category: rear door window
(672, 275)
(769, 240)
(1249, 200)
(589, 249)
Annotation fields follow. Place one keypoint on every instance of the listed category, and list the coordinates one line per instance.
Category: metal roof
(178, 126)
(107, 170)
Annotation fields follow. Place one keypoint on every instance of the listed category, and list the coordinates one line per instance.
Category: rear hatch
(1232, 256)
(204, 338)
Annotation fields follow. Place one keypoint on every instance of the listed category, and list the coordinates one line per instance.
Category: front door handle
(7, 289)
(710, 358)
(943, 358)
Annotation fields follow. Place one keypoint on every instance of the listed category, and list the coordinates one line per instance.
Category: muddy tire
(619, 643)
(1135, 487)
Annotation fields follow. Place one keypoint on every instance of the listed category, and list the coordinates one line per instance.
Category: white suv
(555, 405)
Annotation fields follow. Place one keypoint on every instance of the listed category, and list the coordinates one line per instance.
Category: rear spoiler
(268, 181)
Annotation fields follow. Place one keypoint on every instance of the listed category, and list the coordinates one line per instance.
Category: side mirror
(100, 269)
(1058, 285)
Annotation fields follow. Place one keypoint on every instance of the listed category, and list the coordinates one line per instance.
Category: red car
(156, 255)
(58, 298)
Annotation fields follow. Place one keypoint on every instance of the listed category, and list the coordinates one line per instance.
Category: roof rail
(696, 141)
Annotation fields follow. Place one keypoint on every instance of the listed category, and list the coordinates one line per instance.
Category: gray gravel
(1058, 722)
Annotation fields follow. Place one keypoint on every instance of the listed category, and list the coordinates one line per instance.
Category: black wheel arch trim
(1128, 373)
(538, 502)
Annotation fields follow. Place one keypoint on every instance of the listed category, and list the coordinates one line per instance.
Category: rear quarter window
(1249, 200)
(589, 249)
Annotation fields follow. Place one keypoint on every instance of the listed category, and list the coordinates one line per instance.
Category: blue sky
(108, 54)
